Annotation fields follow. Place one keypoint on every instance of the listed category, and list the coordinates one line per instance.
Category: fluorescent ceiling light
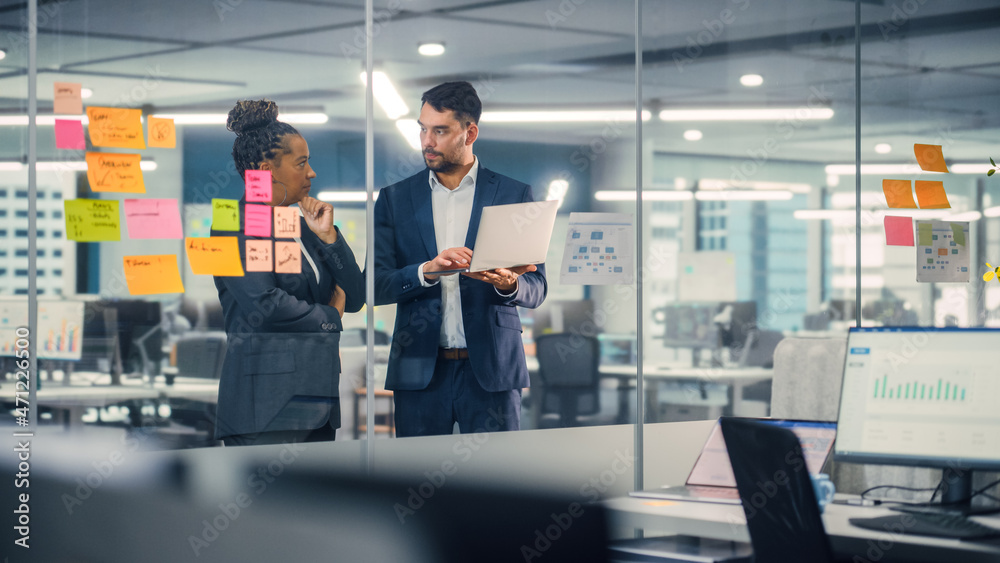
(883, 148)
(909, 168)
(647, 195)
(823, 214)
(3, 54)
(568, 116)
(965, 216)
(692, 135)
(220, 118)
(81, 165)
(969, 168)
(992, 211)
(751, 80)
(742, 195)
(410, 130)
(86, 93)
(345, 196)
(746, 114)
(17, 167)
(719, 184)
(433, 49)
(386, 95)
(832, 180)
(22, 120)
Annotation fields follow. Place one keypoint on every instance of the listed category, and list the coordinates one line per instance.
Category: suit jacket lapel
(486, 192)
(423, 212)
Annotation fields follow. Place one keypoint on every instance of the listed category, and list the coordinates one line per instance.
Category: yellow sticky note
(92, 220)
(225, 214)
(115, 127)
(113, 172)
(925, 233)
(958, 232)
(931, 195)
(214, 256)
(153, 274)
(259, 256)
(287, 257)
(162, 133)
(286, 222)
(898, 194)
(930, 158)
(67, 98)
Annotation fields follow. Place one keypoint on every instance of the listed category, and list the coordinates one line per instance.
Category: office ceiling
(928, 67)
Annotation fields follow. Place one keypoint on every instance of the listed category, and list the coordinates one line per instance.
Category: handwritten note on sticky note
(898, 194)
(898, 231)
(257, 222)
(258, 184)
(259, 256)
(214, 256)
(69, 135)
(162, 133)
(92, 220)
(115, 127)
(931, 195)
(67, 99)
(153, 218)
(225, 214)
(287, 257)
(113, 172)
(958, 232)
(153, 274)
(286, 222)
(925, 233)
(930, 158)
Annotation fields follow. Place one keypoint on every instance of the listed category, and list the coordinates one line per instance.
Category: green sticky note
(925, 236)
(225, 214)
(958, 231)
(92, 220)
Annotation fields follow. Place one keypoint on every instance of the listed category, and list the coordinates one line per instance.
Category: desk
(727, 522)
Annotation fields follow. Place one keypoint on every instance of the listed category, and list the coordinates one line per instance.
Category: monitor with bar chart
(59, 330)
(921, 397)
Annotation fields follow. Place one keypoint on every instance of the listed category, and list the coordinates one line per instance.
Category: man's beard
(443, 165)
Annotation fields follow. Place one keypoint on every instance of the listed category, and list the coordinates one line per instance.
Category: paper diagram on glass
(942, 251)
(598, 249)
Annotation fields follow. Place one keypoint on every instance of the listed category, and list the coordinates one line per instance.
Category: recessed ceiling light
(430, 49)
(3, 54)
(751, 80)
(86, 93)
(692, 135)
(883, 148)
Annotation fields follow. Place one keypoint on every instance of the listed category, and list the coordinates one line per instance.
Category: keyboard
(929, 524)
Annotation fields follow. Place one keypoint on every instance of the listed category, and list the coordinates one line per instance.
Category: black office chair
(779, 502)
(567, 368)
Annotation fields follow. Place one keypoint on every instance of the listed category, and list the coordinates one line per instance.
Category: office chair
(779, 502)
(570, 382)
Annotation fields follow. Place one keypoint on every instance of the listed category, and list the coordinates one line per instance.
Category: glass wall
(746, 146)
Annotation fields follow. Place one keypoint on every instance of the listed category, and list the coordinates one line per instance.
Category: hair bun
(251, 114)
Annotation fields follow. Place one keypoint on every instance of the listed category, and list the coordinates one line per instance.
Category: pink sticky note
(287, 257)
(153, 218)
(259, 256)
(258, 220)
(69, 134)
(286, 222)
(898, 231)
(258, 183)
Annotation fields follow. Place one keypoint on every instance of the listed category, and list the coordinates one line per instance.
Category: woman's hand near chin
(319, 218)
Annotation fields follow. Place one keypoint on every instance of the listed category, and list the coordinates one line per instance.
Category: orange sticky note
(898, 193)
(287, 257)
(113, 172)
(286, 223)
(931, 195)
(214, 256)
(162, 133)
(67, 98)
(259, 256)
(115, 127)
(153, 274)
(930, 158)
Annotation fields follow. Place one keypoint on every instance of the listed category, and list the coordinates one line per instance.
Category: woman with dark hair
(281, 373)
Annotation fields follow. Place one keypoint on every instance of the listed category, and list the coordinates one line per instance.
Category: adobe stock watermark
(380, 20)
(697, 43)
(900, 16)
(103, 470)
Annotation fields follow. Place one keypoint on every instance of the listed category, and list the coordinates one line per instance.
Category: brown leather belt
(453, 353)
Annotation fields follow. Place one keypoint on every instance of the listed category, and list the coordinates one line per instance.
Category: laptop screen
(713, 468)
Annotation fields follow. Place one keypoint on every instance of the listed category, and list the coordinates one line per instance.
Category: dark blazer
(404, 239)
(283, 336)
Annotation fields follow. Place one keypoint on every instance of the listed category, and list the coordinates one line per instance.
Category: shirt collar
(469, 179)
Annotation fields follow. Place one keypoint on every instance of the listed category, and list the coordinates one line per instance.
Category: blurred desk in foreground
(727, 522)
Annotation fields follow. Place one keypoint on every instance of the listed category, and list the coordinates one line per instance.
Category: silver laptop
(712, 480)
(516, 234)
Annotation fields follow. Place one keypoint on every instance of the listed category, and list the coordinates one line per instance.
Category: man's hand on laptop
(449, 260)
(504, 279)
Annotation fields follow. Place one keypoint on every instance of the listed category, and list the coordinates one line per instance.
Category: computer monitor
(689, 325)
(922, 397)
(137, 326)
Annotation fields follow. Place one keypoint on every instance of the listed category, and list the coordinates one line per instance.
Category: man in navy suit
(456, 352)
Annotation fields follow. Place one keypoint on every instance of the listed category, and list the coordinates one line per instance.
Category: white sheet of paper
(599, 249)
(944, 259)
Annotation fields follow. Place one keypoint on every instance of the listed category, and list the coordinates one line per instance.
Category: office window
(56, 272)
(57, 252)
(57, 214)
(21, 273)
(21, 213)
(3, 212)
(21, 252)
(21, 194)
(21, 233)
(21, 291)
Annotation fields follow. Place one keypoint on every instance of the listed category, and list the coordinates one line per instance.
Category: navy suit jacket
(404, 239)
(282, 335)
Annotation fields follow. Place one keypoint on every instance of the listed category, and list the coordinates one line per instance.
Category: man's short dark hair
(459, 97)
